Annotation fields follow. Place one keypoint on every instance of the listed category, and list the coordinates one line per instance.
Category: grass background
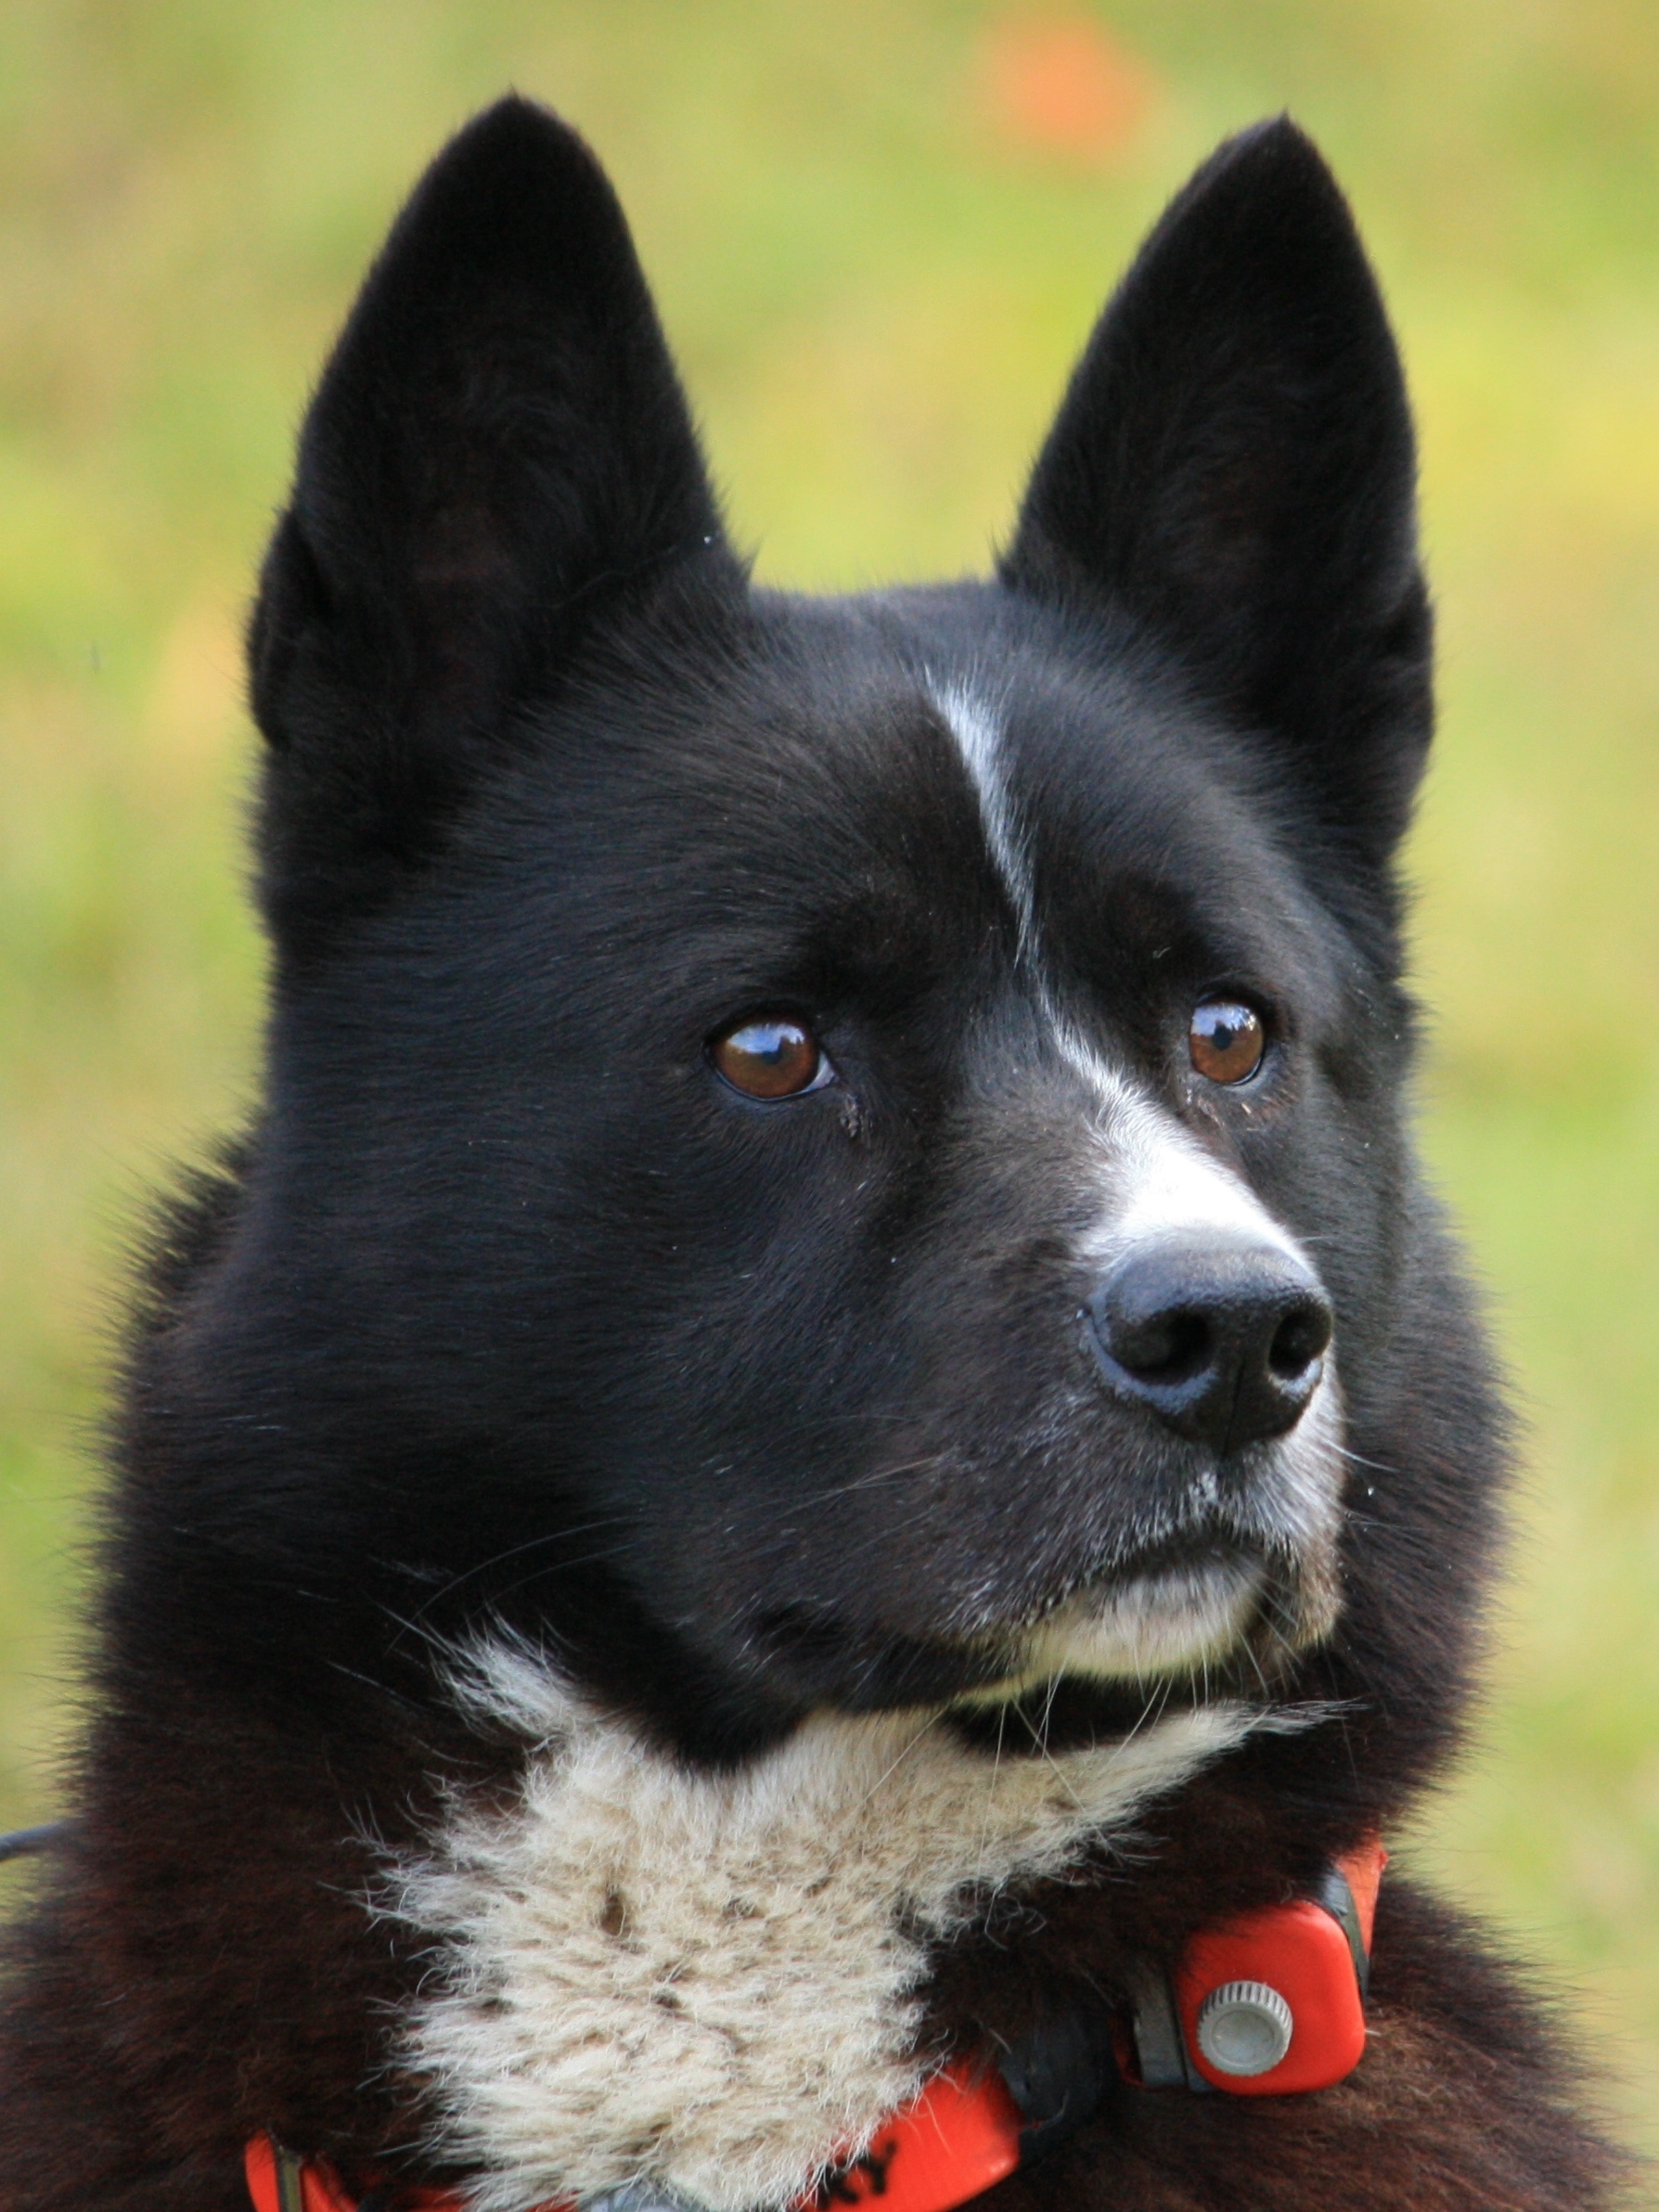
(878, 234)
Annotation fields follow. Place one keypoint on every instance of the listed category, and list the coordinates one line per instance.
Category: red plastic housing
(1301, 1950)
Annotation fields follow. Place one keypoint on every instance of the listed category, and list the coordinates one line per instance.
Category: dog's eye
(1225, 1040)
(770, 1057)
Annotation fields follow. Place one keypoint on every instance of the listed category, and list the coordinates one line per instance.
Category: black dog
(825, 1416)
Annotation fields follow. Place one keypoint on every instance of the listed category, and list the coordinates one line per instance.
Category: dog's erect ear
(498, 448)
(1234, 464)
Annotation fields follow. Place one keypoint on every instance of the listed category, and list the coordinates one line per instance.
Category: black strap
(1335, 1895)
(1058, 2074)
(22, 1841)
(290, 2179)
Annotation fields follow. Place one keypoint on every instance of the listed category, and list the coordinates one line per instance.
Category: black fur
(510, 1310)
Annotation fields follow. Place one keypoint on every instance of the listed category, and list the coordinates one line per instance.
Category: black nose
(1222, 1338)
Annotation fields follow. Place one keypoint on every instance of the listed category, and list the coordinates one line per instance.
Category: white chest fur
(643, 1972)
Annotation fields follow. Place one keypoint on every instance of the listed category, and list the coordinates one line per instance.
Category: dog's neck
(711, 1981)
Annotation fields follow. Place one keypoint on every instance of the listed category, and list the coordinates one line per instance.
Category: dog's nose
(1222, 1338)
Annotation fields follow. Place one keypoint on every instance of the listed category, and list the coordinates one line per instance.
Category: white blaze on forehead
(642, 1971)
(977, 729)
(1161, 1177)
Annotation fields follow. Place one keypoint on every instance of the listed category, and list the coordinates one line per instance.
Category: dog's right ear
(499, 449)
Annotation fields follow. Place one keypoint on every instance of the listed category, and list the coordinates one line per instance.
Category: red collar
(959, 2137)
(1270, 2003)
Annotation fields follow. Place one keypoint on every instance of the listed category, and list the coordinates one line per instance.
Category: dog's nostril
(1166, 1347)
(1299, 1340)
(1221, 1338)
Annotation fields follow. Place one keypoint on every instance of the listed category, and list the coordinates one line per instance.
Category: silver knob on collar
(1244, 2027)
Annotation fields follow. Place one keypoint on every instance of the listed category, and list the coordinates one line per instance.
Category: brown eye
(1225, 1040)
(770, 1059)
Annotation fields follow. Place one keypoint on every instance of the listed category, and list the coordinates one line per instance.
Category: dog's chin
(1175, 1622)
(1172, 1621)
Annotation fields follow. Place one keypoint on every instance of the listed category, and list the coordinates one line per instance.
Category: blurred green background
(878, 234)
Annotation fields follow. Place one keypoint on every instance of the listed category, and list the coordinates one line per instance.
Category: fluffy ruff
(708, 1981)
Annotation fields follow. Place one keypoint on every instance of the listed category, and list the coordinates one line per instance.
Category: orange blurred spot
(1062, 84)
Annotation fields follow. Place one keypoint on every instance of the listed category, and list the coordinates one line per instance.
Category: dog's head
(832, 1153)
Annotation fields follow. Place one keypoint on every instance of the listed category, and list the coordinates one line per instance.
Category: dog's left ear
(1234, 464)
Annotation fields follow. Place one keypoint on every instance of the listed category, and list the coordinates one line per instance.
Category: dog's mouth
(1187, 1608)
(1200, 1613)
(1176, 1607)
(1183, 1624)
